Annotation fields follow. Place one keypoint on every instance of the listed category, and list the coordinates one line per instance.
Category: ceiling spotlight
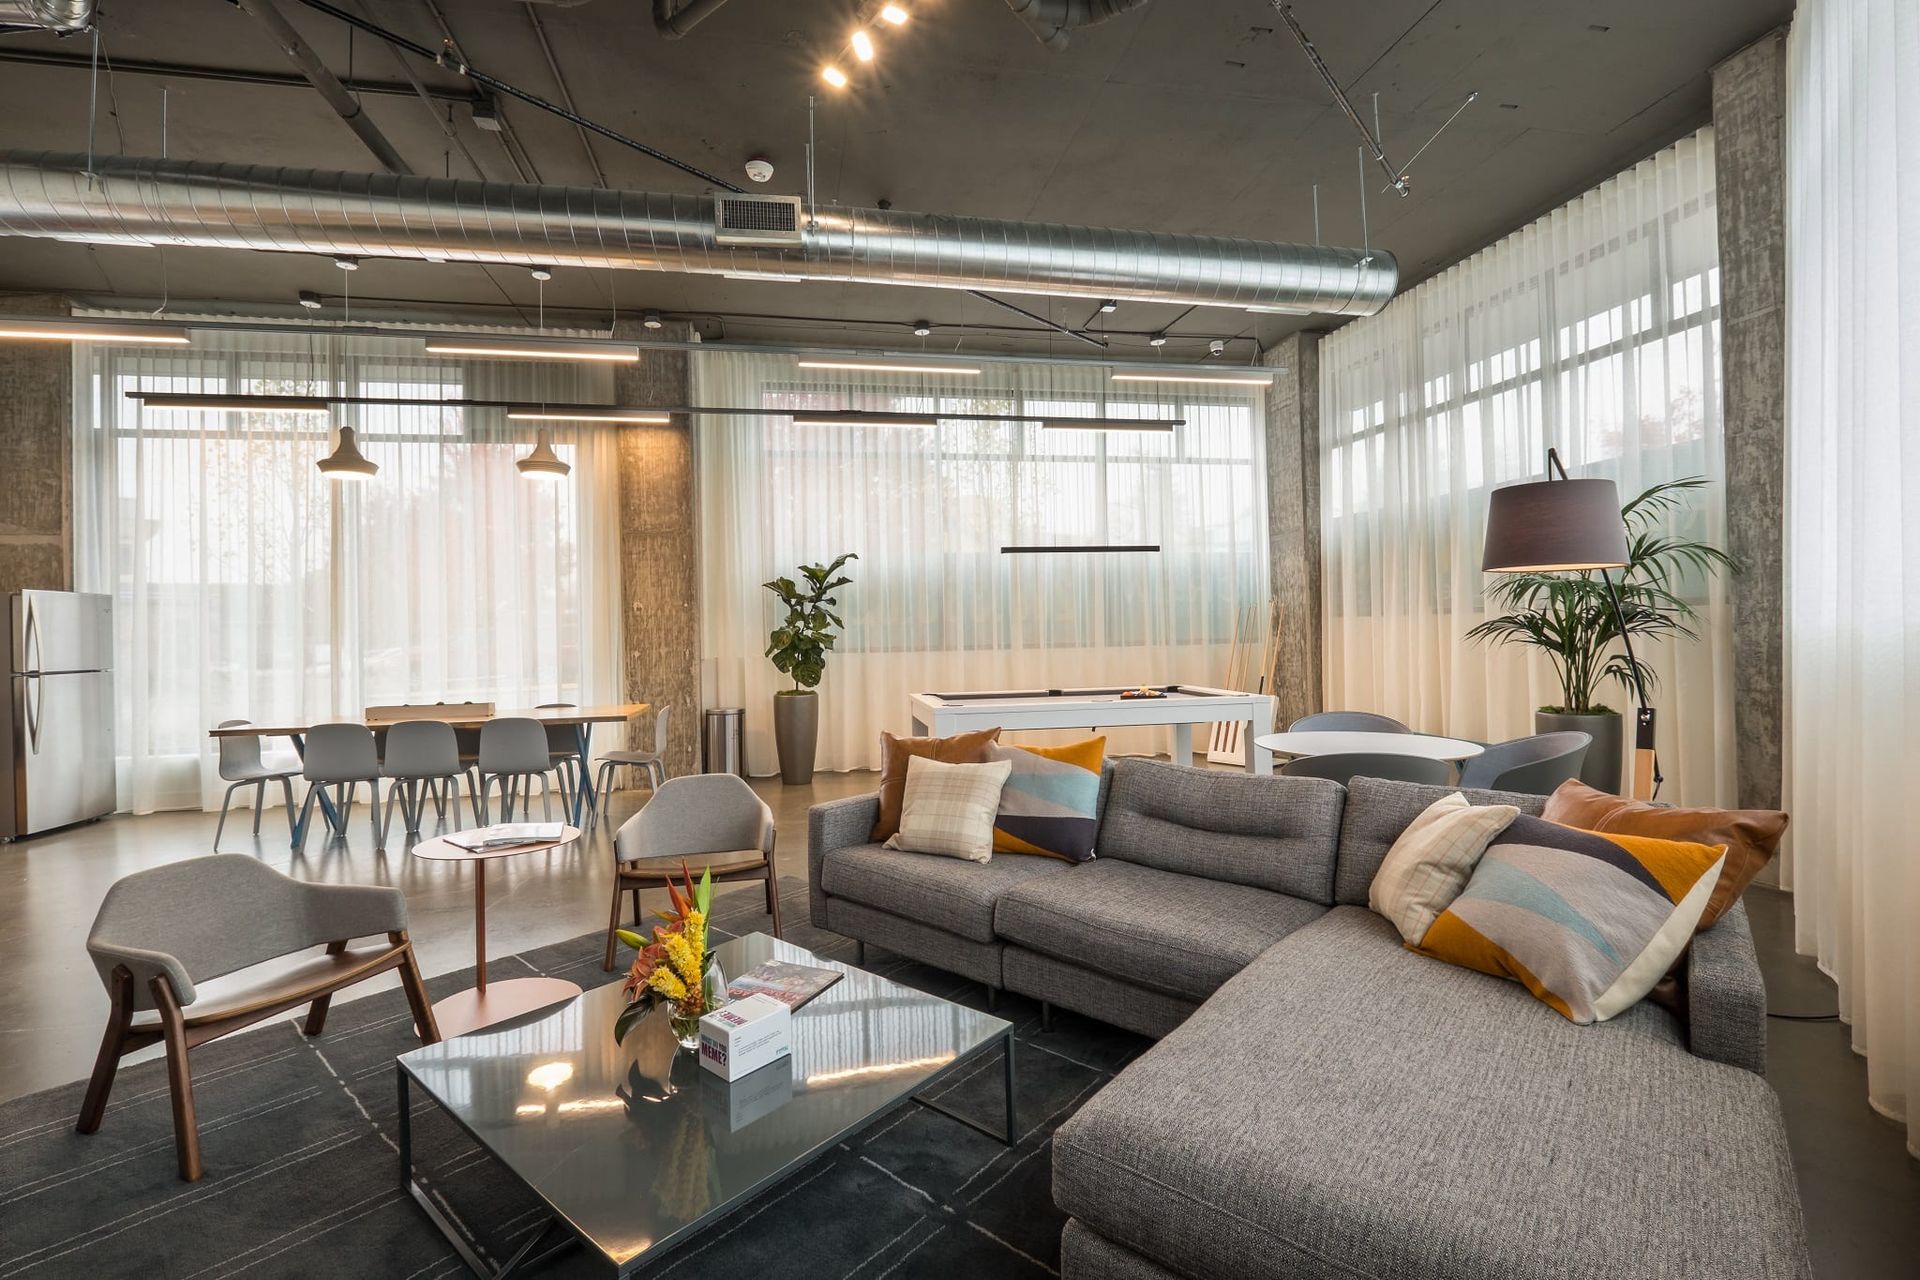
(309, 299)
(894, 15)
(1157, 340)
(345, 263)
(542, 461)
(651, 320)
(1108, 307)
(542, 274)
(760, 169)
(346, 462)
(921, 328)
(862, 45)
(834, 76)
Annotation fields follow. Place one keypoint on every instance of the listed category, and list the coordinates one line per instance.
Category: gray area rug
(302, 1171)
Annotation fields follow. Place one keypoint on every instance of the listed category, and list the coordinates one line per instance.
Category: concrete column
(1293, 518)
(36, 456)
(659, 569)
(1749, 99)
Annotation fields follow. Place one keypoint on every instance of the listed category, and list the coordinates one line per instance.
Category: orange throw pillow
(961, 748)
(1752, 836)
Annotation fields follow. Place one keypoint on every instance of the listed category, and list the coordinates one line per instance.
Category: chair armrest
(144, 965)
(339, 911)
(1726, 996)
(837, 824)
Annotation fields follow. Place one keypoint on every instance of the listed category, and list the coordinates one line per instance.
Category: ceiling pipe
(308, 63)
(65, 16)
(673, 23)
(127, 200)
(1053, 22)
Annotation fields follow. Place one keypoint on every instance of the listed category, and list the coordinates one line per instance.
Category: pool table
(1182, 707)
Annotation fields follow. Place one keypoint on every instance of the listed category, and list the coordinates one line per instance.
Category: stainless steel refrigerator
(56, 746)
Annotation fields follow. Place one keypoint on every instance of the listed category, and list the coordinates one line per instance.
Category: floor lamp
(1562, 526)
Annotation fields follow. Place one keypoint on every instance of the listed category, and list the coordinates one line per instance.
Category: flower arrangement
(675, 966)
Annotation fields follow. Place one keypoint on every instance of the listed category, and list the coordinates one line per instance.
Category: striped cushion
(1429, 864)
(949, 808)
(1051, 803)
(1586, 922)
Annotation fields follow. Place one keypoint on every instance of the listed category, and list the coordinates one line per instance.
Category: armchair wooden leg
(416, 988)
(112, 1046)
(186, 1127)
(613, 920)
(773, 901)
(317, 1011)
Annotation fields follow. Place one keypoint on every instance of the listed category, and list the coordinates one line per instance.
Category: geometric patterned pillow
(1051, 803)
(1587, 922)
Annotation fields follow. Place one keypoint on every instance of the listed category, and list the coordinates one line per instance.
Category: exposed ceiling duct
(1054, 21)
(50, 15)
(127, 200)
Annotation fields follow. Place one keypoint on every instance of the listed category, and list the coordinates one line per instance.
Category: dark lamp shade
(1554, 526)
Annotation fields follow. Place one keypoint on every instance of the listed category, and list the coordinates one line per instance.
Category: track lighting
(651, 320)
(309, 299)
(921, 328)
(346, 462)
(863, 46)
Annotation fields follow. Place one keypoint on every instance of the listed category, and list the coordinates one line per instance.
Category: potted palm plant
(798, 647)
(1570, 618)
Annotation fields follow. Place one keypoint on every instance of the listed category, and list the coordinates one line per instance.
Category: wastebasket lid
(726, 711)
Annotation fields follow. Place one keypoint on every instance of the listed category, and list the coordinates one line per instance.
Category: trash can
(721, 741)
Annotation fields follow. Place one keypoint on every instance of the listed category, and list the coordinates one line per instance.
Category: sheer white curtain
(1595, 329)
(248, 586)
(934, 604)
(1853, 522)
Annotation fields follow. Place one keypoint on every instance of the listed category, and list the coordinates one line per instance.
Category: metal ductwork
(51, 15)
(233, 206)
(1054, 21)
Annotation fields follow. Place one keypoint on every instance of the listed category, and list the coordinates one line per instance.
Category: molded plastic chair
(241, 766)
(1341, 766)
(513, 752)
(341, 756)
(652, 763)
(1532, 766)
(1348, 721)
(563, 752)
(165, 940)
(711, 821)
(424, 751)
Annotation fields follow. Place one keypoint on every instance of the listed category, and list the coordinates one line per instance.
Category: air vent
(744, 219)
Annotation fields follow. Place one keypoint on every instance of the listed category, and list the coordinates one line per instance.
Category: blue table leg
(584, 801)
(326, 805)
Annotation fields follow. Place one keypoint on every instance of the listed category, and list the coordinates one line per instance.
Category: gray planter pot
(796, 730)
(1601, 769)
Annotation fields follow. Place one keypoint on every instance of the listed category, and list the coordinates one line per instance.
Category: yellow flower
(684, 961)
(667, 984)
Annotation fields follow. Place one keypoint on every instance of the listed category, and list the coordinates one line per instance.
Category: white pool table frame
(963, 712)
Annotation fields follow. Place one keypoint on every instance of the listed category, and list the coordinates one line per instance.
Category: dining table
(1327, 742)
(461, 716)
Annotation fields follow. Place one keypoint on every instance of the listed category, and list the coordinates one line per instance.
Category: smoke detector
(651, 320)
(760, 169)
(1216, 348)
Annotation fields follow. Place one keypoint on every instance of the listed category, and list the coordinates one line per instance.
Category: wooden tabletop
(441, 849)
(606, 714)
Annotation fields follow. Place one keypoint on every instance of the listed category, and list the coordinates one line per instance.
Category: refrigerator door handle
(35, 695)
(30, 643)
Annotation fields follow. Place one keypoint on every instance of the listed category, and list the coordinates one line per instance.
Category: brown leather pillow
(961, 748)
(1751, 835)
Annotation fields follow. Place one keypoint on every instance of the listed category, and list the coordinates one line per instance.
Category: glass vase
(684, 1015)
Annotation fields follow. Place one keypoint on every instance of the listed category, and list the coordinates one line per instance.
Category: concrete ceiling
(1185, 116)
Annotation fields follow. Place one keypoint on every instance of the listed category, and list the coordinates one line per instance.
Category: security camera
(760, 169)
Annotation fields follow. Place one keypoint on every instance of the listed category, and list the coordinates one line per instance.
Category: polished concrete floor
(1861, 1189)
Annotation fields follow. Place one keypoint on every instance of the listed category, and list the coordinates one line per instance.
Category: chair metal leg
(259, 803)
(299, 832)
(225, 804)
(286, 792)
(477, 796)
(546, 793)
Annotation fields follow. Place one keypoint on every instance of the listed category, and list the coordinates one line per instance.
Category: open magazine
(791, 984)
(507, 835)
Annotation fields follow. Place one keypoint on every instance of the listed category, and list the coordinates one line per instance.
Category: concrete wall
(36, 456)
(1293, 518)
(659, 566)
(1749, 98)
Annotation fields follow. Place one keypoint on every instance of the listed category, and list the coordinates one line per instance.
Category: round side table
(485, 1003)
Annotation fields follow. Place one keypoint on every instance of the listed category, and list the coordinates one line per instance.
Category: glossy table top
(441, 849)
(606, 714)
(1327, 742)
(635, 1145)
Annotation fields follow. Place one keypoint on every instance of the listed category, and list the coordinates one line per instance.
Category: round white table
(1327, 742)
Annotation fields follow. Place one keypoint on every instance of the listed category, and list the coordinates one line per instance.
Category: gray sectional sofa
(1323, 1102)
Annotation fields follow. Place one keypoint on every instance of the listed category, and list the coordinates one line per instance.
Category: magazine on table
(505, 835)
(791, 984)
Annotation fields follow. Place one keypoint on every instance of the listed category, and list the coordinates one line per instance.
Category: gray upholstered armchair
(171, 945)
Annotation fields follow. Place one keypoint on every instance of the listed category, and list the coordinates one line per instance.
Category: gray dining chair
(1347, 721)
(513, 753)
(1532, 766)
(241, 765)
(421, 756)
(341, 756)
(563, 752)
(1343, 766)
(164, 938)
(711, 822)
(651, 761)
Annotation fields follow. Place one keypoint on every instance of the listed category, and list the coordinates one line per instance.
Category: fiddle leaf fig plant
(799, 645)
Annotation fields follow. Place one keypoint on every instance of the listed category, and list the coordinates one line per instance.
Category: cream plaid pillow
(1432, 861)
(949, 808)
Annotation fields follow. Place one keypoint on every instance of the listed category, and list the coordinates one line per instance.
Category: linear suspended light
(1101, 549)
(862, 418)
(25, 330)
(874, 366)
(542, 462)
(1113, 424)
(533, 349)
(591, 415)
(1225, 380)
(216, 402)
(346, 462)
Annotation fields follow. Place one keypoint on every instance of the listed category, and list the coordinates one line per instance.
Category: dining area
(1342, 745)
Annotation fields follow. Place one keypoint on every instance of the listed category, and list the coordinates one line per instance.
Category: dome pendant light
(543, 461)
(346, 462)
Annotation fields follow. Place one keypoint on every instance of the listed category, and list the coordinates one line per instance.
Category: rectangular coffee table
(632, 1148)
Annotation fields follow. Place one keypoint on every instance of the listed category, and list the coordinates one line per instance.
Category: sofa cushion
(1378, 810)
(1178, 934)
(1267, 832)
(948, 893)
(1345, 1108)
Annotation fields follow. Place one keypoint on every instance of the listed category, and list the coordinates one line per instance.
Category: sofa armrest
(838, 824)
(1726, 997)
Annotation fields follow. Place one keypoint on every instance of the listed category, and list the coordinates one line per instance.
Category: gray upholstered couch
(1323, 1102)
